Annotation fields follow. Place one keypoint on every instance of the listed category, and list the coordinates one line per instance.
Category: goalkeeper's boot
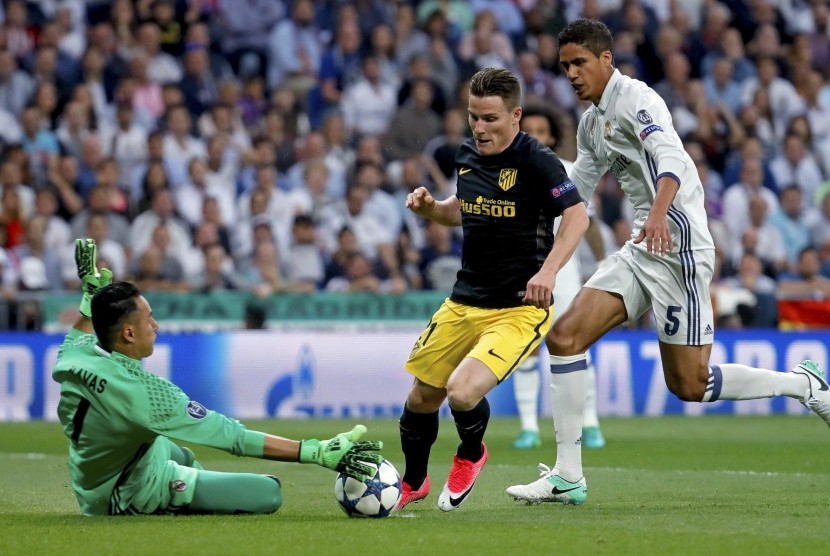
(817, 396)
(550, 487)
(592, 438)
(527, 440)
(410, 495)
(462, 479)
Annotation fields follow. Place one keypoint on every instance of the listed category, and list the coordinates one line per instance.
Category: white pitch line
(738, 472)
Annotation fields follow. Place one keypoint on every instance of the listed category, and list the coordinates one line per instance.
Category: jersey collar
(610, 92)
(119, 358)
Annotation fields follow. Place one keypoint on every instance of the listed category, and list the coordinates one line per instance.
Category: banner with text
(318, 374)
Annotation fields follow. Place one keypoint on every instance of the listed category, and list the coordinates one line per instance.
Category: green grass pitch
(667, 486)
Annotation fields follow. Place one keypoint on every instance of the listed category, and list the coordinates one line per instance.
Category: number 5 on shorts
(673, 324)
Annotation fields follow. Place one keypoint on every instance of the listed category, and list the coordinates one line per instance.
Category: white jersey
(631, 134)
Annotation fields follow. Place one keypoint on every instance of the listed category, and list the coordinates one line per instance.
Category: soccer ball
(377, 496)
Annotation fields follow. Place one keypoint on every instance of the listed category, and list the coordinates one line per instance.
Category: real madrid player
(510, 189)
(666, 266)
(119, 419)
(541, 124)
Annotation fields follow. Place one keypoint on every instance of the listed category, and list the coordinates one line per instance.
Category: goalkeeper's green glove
(343, 453)
(92, 280)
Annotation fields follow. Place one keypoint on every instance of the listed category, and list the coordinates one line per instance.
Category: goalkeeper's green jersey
(112, 411)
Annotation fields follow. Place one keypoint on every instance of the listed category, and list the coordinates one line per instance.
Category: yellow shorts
(499, 338)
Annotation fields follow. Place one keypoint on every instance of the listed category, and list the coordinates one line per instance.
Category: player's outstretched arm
(86, 255)
(344, 453)
(446, 212)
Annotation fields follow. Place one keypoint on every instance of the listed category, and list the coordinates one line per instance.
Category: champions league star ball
(377, 496)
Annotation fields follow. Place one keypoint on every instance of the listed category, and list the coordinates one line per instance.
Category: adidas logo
(708, 331)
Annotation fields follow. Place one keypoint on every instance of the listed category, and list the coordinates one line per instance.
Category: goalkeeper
(120, 419)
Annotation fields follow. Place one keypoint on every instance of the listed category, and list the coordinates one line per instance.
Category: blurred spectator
(368, 104)
(219, 273)
(118, 228)
(20, 35)
(16, 86)
(737, 196)
(485, 45)
(419, 70)
(314, 194)
(413, 124)
(212, 226)
(382, 47)
(379, 202)
(805, 282)
(339, 153)
(12, 218)
(747, 300)
(295, 48)
(720, 86)
(793, 222)
(157, 268)
(340, 67)
(10, 179)
(784, 101)
(440, 257)
(161, 66)
(409, 39)
(304, 270)
(40, 145)
(374, 237)
(127, 144)
(179, 146)
(313, 147)
(442, 148)
(262, 274)
(797, 165)
(57, 234)
(145, 92)
(246, 28)
(360, 278)
(762, 239)
(40, 266)
(198, 84)
(252, 103)
(190, 196)
(161, 211)
(64, 184)
(457, 13)
(171, 32)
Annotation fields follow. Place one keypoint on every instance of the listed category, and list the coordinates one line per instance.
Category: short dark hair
(535, 110)
(497, 82)
(588, 33)
(111, 305)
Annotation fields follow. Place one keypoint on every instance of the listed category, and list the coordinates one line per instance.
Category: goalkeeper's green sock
(236, 493)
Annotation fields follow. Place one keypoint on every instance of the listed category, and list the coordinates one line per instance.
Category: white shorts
(676, 287)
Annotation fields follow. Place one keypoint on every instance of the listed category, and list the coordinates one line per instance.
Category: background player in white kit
(666, 266)
(541, 124)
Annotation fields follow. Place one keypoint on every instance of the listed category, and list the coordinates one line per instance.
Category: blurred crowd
(268, 145)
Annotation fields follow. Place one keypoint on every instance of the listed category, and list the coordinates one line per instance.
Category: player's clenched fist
(421, 202)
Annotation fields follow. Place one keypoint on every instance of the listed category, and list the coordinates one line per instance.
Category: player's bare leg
(691, 378)
(466, 388)
(419, 429)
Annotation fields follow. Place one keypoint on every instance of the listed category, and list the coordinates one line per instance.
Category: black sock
(471, 426)
(418, 434)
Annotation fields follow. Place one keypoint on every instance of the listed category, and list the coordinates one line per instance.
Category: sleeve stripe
(671, 175)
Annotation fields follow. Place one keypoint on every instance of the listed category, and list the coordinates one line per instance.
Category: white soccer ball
(377, 496)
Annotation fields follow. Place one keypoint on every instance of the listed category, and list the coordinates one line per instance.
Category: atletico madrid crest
(507, 178)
